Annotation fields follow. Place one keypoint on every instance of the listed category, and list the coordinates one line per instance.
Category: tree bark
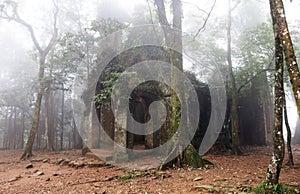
(10, 128)
(36, 118)
(289, 134)
(234, 94)
(49, 142)
(188, 156)
(278, 13)
(296, 138)
(275, 165)
(62, 117)
(6, 134)
(15, 131)
(23, 129)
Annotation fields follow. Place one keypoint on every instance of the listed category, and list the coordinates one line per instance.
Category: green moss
(192, 158)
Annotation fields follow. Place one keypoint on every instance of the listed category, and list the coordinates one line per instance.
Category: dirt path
(52, 173)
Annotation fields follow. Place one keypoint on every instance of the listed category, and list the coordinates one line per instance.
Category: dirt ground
(68, 172)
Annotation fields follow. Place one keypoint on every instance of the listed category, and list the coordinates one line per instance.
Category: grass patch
(262, 188)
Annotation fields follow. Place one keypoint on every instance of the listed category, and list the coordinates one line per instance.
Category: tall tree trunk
(62, 117)
(15, 131)
(36, 118)
(8, 6)
(266, 100)
(289, 134)
(78, 143)
(232, 86)
(188, 156)
(10, 128)
(23, 129)
(278, 14)
(42, 58)
(275, 165)
(296, 138)
(49, 141)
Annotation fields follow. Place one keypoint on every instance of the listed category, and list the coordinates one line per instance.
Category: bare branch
(260, 72)
(14, 16)
(55, 29)
(202, 10)
(237, 3)
(205, 21)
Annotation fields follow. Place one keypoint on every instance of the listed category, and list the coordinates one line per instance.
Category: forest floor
(69, 172)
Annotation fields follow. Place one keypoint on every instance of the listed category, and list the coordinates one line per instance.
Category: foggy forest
(149, 96)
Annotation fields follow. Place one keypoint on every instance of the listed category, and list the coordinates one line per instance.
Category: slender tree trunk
(266, 100)
(10, 129)
(289, 134)
(296, 138)
(49, 142)
(69, 140)
(5, 133)
(78, 143)
(275, 165)
(234, 94)
(13, 6)
(23, 129)
(36, 118)
(15, 131)
(62, 118)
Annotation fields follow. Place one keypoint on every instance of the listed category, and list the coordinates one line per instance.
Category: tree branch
(15, 17)
(260, 72)
(55, 29)
(162, 12)
(205, 21)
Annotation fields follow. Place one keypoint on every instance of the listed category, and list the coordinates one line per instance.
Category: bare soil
(69, 172)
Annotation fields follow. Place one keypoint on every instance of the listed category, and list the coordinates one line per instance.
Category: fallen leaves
(68, 172)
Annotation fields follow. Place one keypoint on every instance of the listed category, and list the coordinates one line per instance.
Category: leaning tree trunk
(36, 118)
(278, 13)
(275, 165)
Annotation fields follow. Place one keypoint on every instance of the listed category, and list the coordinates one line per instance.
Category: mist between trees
(59, 42)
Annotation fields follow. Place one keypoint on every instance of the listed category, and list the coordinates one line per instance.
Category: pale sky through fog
(36, 9)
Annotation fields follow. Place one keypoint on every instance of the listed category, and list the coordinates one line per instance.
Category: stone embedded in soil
(198, 179)
(59, 161)
(29, 166)
(39, 173)
(45, 160)
(76, 164)
(35, 171)
(206, 187)
(65, 162)
(14, 178)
